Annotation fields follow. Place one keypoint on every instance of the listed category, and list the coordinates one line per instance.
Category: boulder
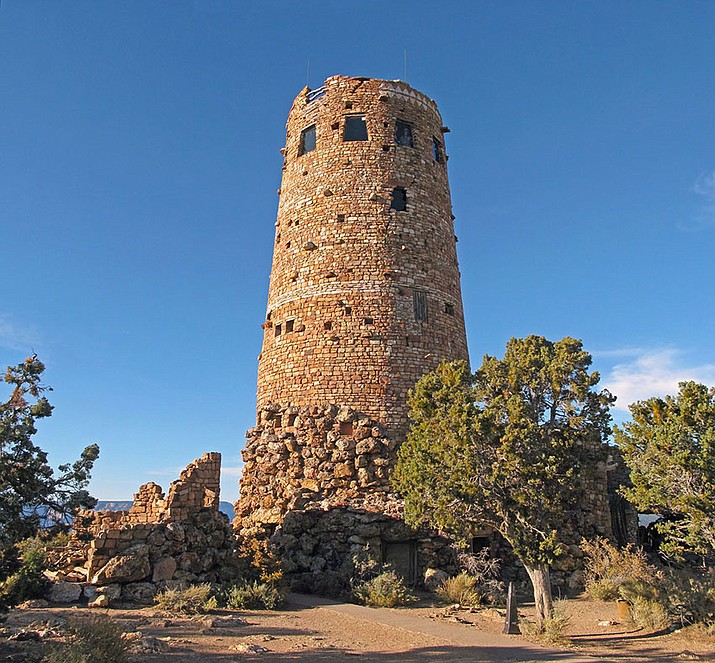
(433, 578)
(130, 566)
(164, 569)
(64, 592)
(139, 592)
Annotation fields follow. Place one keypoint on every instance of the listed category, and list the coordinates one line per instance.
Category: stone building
(364, 299)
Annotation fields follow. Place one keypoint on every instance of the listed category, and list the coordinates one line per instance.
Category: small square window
(346, 427)
(437, 151)
(399, 199)
(328, 325)
(307, 140)
(368, 321)
(403, 134)
(355, 128)
(449, 308)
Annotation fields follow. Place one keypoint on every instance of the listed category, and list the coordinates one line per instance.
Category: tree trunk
(541, 582)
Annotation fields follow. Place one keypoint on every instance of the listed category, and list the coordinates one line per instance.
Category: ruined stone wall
(341, 324)
(129, 555)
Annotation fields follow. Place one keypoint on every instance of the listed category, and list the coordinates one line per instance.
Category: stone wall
(159, 542)
(342, 324)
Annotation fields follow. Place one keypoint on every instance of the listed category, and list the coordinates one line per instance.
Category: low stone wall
(130, 555)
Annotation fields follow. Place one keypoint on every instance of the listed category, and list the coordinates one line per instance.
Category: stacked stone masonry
(160, 542)
(364, 299)
(341, 325)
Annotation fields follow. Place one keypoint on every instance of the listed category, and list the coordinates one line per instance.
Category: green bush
(193, 600)
(92, 639)
(254, 595)
(460, 589)
(28, 581)
(385, 590)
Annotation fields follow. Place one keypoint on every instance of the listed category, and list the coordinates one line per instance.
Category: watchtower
(364, 295)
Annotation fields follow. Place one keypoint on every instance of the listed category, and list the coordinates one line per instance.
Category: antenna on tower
(405, 62)
(307, 75)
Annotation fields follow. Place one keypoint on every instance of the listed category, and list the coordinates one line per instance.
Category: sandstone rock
(132, 565)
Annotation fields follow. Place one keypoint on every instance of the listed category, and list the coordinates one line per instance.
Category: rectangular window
(449, 309)
(399, 199)
(277, 331)
(355, 128)
(419, 302)
(437, 151)
(403, 134)
(307, 140)
(289, 326)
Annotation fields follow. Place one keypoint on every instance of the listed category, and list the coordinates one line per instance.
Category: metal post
(511, 621)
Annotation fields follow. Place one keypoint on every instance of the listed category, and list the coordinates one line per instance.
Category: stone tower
(364, 297)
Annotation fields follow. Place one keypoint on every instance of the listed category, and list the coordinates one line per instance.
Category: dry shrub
(92, 639)
(552, 630)
(254, 596)
(649, 614)
(193, 600)
(608, 569)
(461, 589)
(256, 561)
(385, 590)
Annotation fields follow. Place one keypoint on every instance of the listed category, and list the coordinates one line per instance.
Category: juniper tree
(29, 488)
(669, 448)
(505, 448)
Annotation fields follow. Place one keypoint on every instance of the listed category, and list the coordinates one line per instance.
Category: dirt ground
(309, 629)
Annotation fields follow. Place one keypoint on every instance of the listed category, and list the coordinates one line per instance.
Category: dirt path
(310, 629)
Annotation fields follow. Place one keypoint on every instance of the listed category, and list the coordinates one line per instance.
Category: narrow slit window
(403, 134)
(291, 419)
(419, 302)
(449, 308)
(437, 151)
(399, 199)
(307, 140)
(355, 128)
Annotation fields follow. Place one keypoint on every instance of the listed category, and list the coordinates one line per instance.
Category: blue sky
(139, 165)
